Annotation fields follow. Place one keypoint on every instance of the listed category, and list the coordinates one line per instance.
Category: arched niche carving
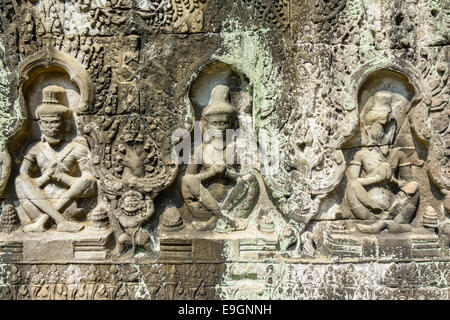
(42, 68)
(51, 60)
(215, 73)
(397, 77)
(36, 72)
(389, 101)
(392, 83)
(51, 176)
(220, 101)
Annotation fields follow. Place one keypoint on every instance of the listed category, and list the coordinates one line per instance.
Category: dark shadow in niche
(389, 81)
(212, 75)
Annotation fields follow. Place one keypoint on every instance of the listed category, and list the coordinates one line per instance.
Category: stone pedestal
(418, 243)
(200, 246)
(86, 245)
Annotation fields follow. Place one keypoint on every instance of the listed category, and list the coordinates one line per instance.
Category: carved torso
(71, 158)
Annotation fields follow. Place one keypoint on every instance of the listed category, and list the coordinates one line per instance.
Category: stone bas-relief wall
(208, 149)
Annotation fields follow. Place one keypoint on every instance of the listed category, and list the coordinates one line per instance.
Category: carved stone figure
(133, 211)
(213, 182)
(130, 60)
(55, 172)
(380, 186)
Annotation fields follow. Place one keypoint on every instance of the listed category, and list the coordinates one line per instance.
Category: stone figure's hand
(384, 171)
(47, 174)
(52, 171)
(410, 188)
(247, 177)
(401, 184)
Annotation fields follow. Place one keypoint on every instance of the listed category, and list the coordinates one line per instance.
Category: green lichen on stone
(248, 52)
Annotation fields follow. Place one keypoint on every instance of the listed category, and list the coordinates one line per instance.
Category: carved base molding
(247, 245)
(109, 281)
(342, 281)
(165, 281)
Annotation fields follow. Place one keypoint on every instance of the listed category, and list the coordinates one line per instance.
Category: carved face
(52, 128)
(380, 124)
(134, 44)
(131, 203)
(376, 130)
(219, 123)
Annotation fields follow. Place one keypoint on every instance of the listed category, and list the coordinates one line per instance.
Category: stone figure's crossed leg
(80, 188)
(193, 189)
(200, 199)
(239, 192)
(360, 200)
(378, 226)
(38, 207)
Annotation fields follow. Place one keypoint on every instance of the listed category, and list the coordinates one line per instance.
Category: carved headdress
(378, 122)
(53, 103)
(219, 102)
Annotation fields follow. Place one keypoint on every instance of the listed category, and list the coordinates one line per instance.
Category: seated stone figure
(213, 183)
(54, 172)
(380, 187)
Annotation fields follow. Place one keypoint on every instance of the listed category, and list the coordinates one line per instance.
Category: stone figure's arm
(27, 167)
(404, 166)
(195, 166)
(83, 164)
(354, 169)
(65, 178)
(150, 209)
(194, 169)
(232, 174)
(233, 169)
(85, 168)
(369, 180)
(207, 174)
(5, 169)
(215, 170)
